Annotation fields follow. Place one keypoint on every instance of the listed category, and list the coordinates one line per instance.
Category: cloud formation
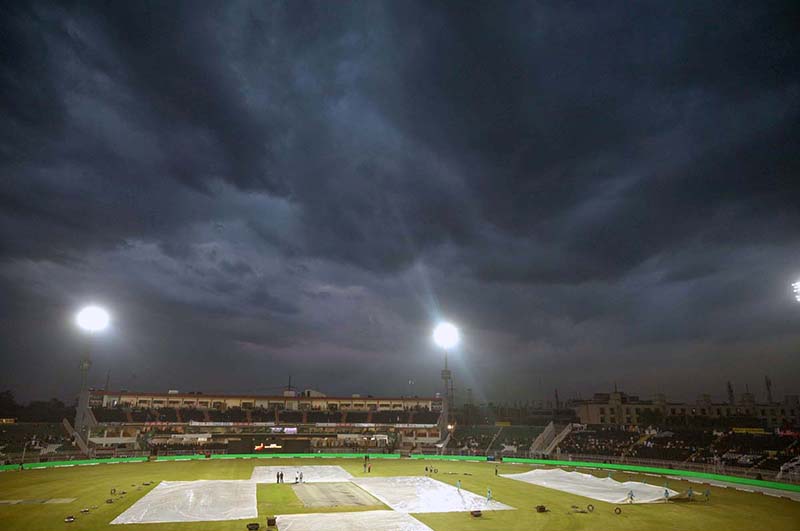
(596, 193)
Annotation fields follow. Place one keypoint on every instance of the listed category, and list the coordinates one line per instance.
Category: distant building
(618, 408)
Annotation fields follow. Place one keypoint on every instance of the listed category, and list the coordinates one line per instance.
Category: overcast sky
(594, 193)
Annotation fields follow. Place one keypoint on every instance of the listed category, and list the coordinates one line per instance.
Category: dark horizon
(595, 194)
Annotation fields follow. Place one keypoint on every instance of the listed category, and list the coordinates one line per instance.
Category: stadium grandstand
(173, 423)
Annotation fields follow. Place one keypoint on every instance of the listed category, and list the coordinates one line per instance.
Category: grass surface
(728, 510)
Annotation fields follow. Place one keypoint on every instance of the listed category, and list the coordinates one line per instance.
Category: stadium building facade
(307, 400)
(618, 408)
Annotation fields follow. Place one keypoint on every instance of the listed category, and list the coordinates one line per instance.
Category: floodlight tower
(446, 337)
(91, 320)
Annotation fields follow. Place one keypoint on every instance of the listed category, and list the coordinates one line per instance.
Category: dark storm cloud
(298, 187)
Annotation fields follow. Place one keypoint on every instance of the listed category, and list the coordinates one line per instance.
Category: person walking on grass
(489, 494)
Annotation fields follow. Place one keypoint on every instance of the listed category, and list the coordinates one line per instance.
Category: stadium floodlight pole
(91, 320)
(446, 336)
(24, 450)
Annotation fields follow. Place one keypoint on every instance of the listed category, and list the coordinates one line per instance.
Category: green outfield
(728, 509)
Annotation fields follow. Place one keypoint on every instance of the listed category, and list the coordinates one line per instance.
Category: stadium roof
(268, 397)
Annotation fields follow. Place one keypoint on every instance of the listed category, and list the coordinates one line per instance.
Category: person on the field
(690, 493)
(458, 485)
(489, 494)
(369, 468)
(277, 477)
(666, 494)
(301, 477)
(631, 496)
(296, 477)
(707, 494)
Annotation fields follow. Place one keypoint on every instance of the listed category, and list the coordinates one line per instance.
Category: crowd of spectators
(472, 439)
(600, 441)
(674, 445)
(40, 437)
(720, 447)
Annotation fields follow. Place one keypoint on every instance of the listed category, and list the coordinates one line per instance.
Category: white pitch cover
(360, 521)
(194, 501)
(418, 494)
(601, 489)
(311, 474)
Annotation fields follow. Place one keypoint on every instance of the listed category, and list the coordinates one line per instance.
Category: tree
(8, 405)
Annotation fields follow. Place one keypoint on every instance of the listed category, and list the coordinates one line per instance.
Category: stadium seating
(515, 438)
(142, 415)
(189, 414)
(763, 451)
(599, 441)
(262, 415)
(234, 414)
(104, 414)
(323, 416)
(291, 417)
(390, 417)
(424, 416)
(39, 434)
(357, 416)
(742, 449)
(678, 445)
(167, 414)
(215, 415)
(473, 438)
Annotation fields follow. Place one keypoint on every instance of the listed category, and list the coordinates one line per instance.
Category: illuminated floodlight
(796, 289)
(446, 335)
(92, 319)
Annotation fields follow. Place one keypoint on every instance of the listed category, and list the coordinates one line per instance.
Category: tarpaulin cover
(361, 521)
(602, 489)
(194, 501)
(417, 494)
(333, 495)
(311, 474)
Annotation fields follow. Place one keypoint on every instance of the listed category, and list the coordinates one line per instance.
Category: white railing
(557, 440)
(543, 439)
